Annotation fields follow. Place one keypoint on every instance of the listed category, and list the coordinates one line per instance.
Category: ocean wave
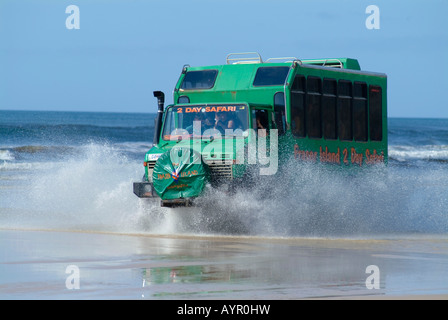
(5, 166)
(46, 134)
(134, 147)
(6, 155)
(12, 166)
(36, 153)
(39, 157)
(39, 153)
(42, 149)
(427, 152)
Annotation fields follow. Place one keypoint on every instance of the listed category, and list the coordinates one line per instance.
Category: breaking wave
(425, 152)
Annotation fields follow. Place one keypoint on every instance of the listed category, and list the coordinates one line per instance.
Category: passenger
(224, 121)
(262, 123)
(208, 121)
(262, 120)
(192, 128)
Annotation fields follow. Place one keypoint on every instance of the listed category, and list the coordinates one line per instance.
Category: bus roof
(246, 77)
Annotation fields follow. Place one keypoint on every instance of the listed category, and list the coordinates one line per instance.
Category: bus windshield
(211, 120)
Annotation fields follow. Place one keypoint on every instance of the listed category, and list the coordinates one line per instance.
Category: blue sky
(126, 49)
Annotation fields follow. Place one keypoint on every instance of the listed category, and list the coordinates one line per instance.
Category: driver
(205, 123)
(191, 128)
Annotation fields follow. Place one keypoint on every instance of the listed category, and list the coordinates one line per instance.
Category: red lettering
(330, 157)
(374, 158)
(356, 157)
(345, 152)
(304, 155)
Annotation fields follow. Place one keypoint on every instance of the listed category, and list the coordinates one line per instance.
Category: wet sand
(45, 264)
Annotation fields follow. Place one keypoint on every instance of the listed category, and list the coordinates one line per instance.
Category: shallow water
(36, 265)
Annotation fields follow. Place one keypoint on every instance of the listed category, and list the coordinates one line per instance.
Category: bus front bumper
(144, 190)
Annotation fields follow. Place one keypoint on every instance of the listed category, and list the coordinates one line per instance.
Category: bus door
(280, 113)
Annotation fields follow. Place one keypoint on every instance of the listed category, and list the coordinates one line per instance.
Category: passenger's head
(198, 116)
(223, 116)
(209, 118)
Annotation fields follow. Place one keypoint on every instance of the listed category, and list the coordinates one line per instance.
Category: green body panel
(350, 152)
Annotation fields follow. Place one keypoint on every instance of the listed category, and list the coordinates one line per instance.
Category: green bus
(230, 121)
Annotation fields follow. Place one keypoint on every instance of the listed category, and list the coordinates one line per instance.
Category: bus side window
(375, 113)
(344, 112)
(313, 109)
(298, 106)
(279, 112)
(360, 111)
(329, 103)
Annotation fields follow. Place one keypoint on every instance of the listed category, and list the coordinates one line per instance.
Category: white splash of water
(93, 191)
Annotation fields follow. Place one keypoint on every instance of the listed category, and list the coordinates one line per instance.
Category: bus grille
(220, 170)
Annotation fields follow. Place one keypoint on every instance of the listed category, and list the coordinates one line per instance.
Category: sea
(74, 171)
